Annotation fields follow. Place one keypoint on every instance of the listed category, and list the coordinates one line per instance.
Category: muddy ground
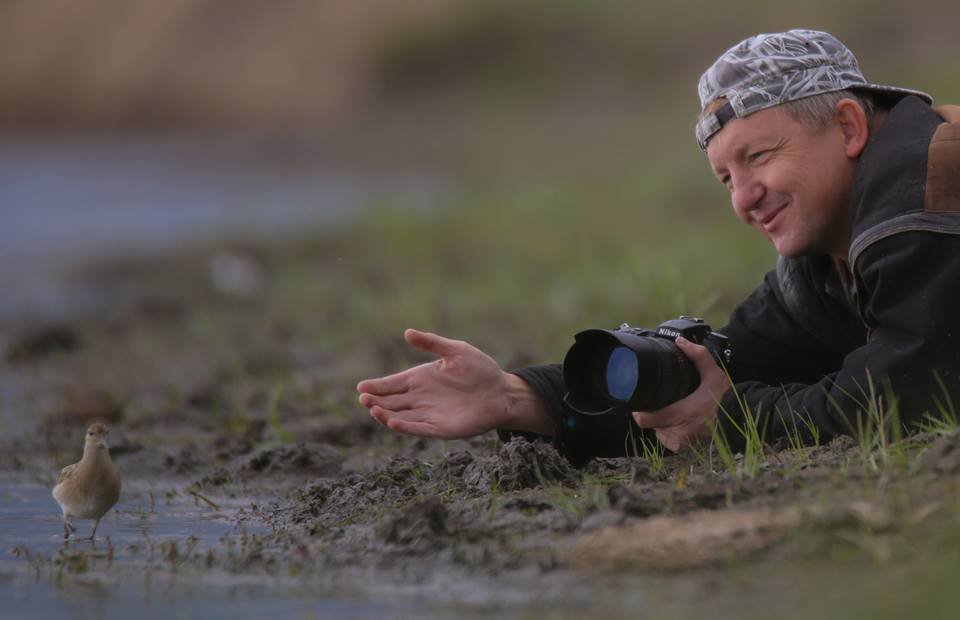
(220, 398)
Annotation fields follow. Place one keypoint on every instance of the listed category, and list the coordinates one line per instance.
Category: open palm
(462, 394)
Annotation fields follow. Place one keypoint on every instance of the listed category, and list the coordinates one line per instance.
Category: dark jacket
(824, 343)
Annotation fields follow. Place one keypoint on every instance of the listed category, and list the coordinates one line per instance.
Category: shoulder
(908, 179)
(942, 187)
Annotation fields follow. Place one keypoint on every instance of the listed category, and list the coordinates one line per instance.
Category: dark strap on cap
(725, 114)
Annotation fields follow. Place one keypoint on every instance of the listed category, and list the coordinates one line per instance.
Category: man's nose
(746, 196)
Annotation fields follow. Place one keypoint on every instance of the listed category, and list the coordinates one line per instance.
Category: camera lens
(622, 373)
(606, 370)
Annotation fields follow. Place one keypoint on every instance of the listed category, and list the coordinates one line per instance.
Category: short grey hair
(818, 111)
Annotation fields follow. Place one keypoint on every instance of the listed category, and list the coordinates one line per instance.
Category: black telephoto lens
(609, 370)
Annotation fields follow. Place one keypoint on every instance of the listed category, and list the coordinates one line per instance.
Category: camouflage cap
(770, 69)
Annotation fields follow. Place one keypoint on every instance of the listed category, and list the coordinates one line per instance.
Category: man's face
(789, 182)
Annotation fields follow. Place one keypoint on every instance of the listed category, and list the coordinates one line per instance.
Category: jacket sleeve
(576, 436)
(908, 298)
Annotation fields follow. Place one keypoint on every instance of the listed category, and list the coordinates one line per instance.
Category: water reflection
(30, 518)
(64, 200)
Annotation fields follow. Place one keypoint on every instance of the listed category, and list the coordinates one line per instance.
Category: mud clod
(943, 456)
(635, 468)
(520, 464)
(418, 525)
(453, 465)
(316, 459)
(635, 501)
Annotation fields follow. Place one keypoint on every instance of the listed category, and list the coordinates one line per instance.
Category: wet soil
(216, 403)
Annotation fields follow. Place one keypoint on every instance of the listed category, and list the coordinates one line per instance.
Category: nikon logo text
(669, 333)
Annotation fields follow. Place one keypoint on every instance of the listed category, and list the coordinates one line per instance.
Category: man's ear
(853, 125)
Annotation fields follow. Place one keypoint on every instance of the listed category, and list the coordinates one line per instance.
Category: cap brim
(893, 91)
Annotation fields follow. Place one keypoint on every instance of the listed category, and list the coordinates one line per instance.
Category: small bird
(88, 489)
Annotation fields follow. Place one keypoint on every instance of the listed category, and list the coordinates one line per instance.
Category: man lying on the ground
(857, 186)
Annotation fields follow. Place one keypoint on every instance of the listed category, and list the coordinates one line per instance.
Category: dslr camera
(634, 368)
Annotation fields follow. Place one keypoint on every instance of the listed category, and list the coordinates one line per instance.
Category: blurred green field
(579, 197)
(519, 270)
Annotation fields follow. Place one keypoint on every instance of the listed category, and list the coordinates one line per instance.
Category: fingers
(432, 343)
(683, 434)
(698, 354)
(655, 419)
(393, 402)
(713, 379)
(404, 422)
(690, 418)
(668, 439)
(677, 425)
(400, 382)
(380, 414)
(392, 384)
(682, 412)
(420, 429)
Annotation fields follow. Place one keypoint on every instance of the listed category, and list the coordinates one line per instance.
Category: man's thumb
(431, 343)
(698, 354)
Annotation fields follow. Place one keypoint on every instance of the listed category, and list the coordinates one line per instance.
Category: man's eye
(727, 183)
(757, 155)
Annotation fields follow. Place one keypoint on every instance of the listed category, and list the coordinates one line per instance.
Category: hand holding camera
(669, 378)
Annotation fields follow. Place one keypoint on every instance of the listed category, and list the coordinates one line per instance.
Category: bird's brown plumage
(91, 487)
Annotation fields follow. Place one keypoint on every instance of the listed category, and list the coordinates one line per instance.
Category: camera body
(636, 369)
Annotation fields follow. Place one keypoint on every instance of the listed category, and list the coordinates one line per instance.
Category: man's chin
(787, 249)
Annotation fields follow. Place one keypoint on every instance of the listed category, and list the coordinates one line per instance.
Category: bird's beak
(102, 444)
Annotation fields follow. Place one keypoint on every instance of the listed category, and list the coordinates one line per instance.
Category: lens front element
(622, 373)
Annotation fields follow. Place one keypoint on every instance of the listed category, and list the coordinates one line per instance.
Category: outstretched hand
(462, 394)
(691, 418)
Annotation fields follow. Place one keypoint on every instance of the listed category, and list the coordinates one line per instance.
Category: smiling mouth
(771, 216)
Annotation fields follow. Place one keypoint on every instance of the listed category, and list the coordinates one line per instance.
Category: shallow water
(29, 516)
(181, 600)
(30, 528)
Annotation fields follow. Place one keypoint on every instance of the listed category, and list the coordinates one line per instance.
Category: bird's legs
(95, 525)
(67, 527)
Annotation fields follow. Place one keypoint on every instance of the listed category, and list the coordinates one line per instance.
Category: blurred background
(454, 165)
(217, 216)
